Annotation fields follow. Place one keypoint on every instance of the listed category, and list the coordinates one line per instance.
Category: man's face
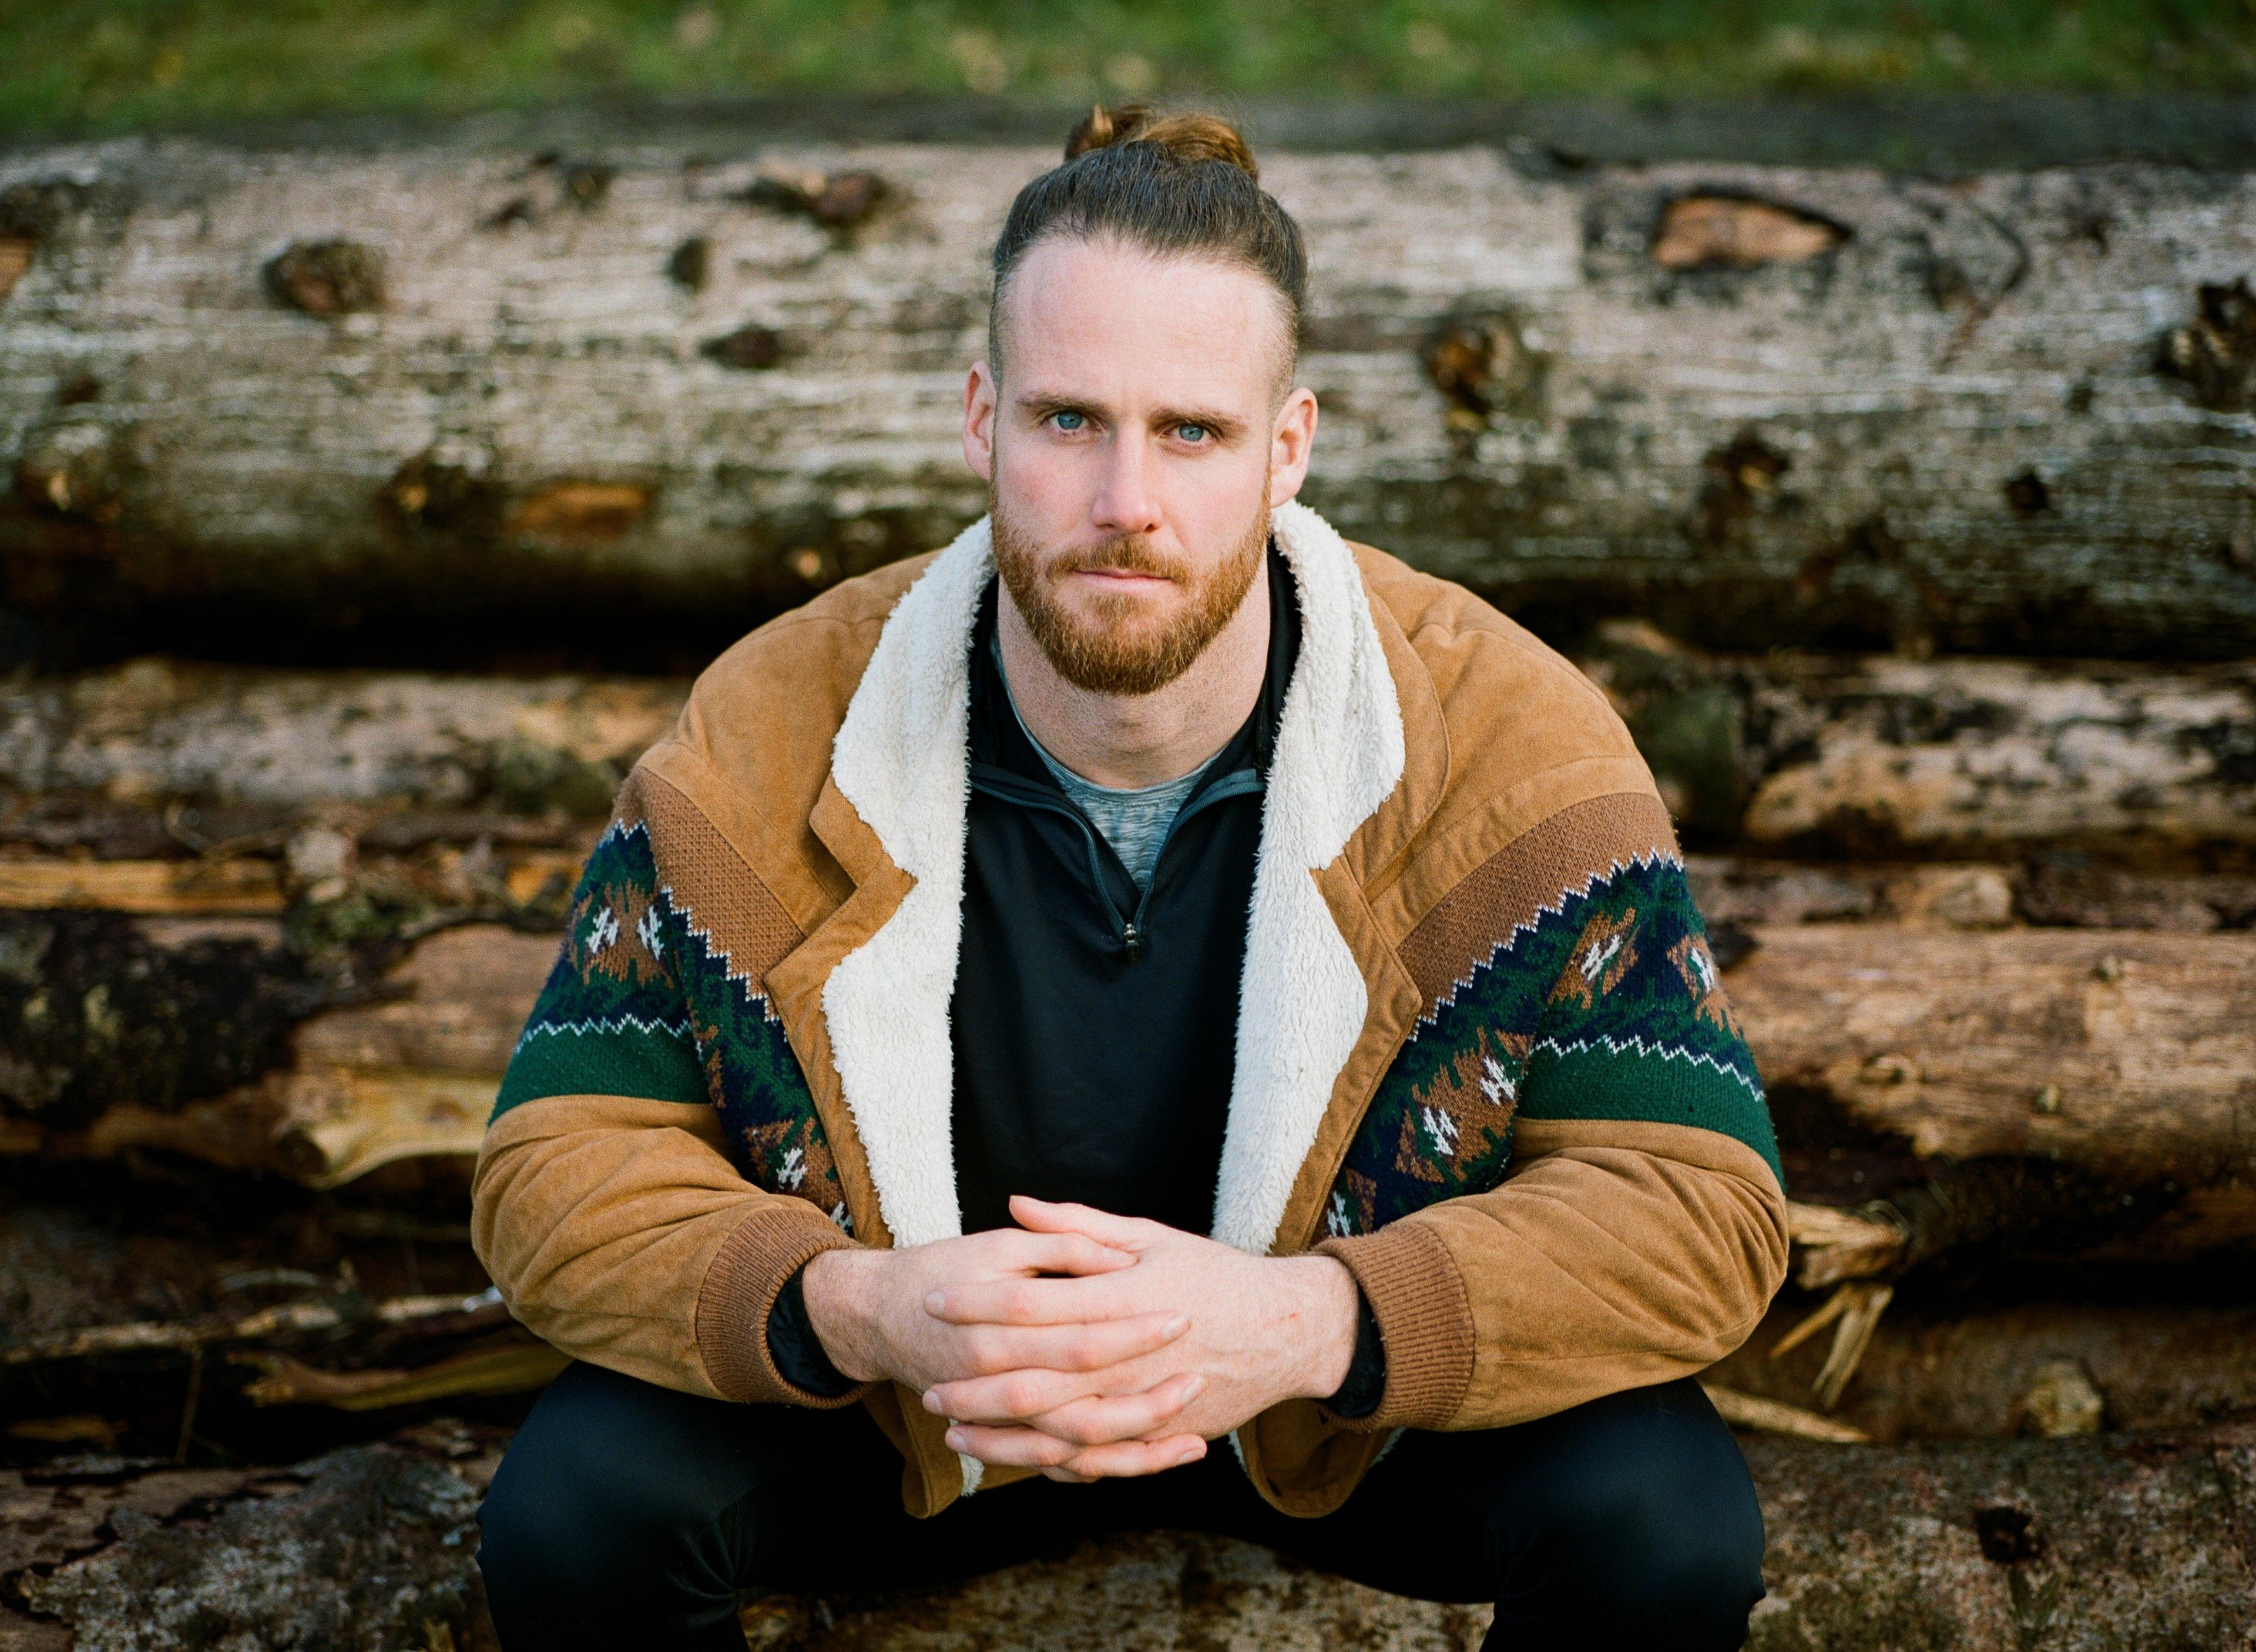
(1133, 453)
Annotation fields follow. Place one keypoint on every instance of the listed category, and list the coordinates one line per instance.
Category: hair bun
(1188, 137)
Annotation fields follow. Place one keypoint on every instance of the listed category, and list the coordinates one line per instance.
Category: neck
(1130, 740)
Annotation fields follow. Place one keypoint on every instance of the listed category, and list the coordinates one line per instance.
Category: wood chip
(1743, 1410)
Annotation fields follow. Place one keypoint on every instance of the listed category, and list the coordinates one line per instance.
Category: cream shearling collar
(900, 757)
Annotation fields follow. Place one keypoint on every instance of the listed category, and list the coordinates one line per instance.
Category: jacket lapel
(1302, 999)
(900, 760)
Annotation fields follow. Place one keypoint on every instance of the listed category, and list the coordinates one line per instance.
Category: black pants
(628, 1514)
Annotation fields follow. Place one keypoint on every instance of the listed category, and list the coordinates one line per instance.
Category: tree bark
(1872, 757)
(2092, 1545)
(2128, 1055)
(2120, 1065)
(250, 746)
(1866, 757)
(294, 394)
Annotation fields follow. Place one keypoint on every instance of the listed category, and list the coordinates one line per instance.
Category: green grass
(78, 65)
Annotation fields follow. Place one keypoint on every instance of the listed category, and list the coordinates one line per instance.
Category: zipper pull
(1134, 937)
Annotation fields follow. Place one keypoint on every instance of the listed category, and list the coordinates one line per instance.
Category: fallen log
(1941, 1370)
(1874, 759)
(2080, 1545)
(2123, 1057)
(2130, 1056)
(241, 750)
(1835, 407)
(2050, 890)
(448, 1314)
(367, 1547)
(99, 1013)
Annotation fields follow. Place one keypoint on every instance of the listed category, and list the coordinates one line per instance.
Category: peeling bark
(96, 1013)
(1873, 757)
(1755, 403)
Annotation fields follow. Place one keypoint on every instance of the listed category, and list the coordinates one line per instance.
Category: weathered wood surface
(366, 1548)
(2128, 1059)
(2129, 1054)
(635, 386)
(2095, 1545)
(1870, 755)
(2062, 889)
(157, 731)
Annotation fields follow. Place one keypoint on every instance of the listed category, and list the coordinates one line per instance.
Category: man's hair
(1182, 184)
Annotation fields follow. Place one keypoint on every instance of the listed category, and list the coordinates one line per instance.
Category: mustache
(1128, 555)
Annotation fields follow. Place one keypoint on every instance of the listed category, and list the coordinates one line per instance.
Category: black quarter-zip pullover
(1095, 1025)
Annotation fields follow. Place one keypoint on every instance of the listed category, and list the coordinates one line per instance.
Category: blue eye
(1191, 432)
(1069, 420)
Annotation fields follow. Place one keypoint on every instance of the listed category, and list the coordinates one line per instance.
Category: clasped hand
(1083, 1343)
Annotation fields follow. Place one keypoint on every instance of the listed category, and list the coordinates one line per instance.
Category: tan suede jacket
(1483, 1054)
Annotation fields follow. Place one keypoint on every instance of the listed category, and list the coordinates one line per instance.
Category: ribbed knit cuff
(1425, 1323)
(739, 1293)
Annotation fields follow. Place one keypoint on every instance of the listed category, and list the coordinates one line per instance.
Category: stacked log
(1985, 902)
(619, 395)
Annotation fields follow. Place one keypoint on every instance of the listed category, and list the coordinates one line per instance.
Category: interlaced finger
(1012, 1251)
(1034, 1301)
(1071, 1406)
(1030, 1448)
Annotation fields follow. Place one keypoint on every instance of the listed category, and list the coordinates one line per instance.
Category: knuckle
(984, 1351)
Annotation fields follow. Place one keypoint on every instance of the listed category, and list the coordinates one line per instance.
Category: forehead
(1106, 317)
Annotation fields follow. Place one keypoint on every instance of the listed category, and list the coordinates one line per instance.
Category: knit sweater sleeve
(1569, 1184)
(610, 1205)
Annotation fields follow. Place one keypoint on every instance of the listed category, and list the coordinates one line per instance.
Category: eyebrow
(1041, 404)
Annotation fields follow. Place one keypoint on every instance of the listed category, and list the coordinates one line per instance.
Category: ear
(1291, 440)
(979, 421)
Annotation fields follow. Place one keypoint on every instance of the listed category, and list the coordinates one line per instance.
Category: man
(1150, 973)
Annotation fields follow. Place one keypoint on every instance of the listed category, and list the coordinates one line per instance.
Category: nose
(1126, 502)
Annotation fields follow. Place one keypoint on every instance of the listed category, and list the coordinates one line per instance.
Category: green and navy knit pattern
(641, 1003)
(1608, 1006)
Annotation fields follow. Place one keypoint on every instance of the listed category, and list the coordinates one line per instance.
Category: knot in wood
(328, 278)
(2217, 353)
(1718, 231)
